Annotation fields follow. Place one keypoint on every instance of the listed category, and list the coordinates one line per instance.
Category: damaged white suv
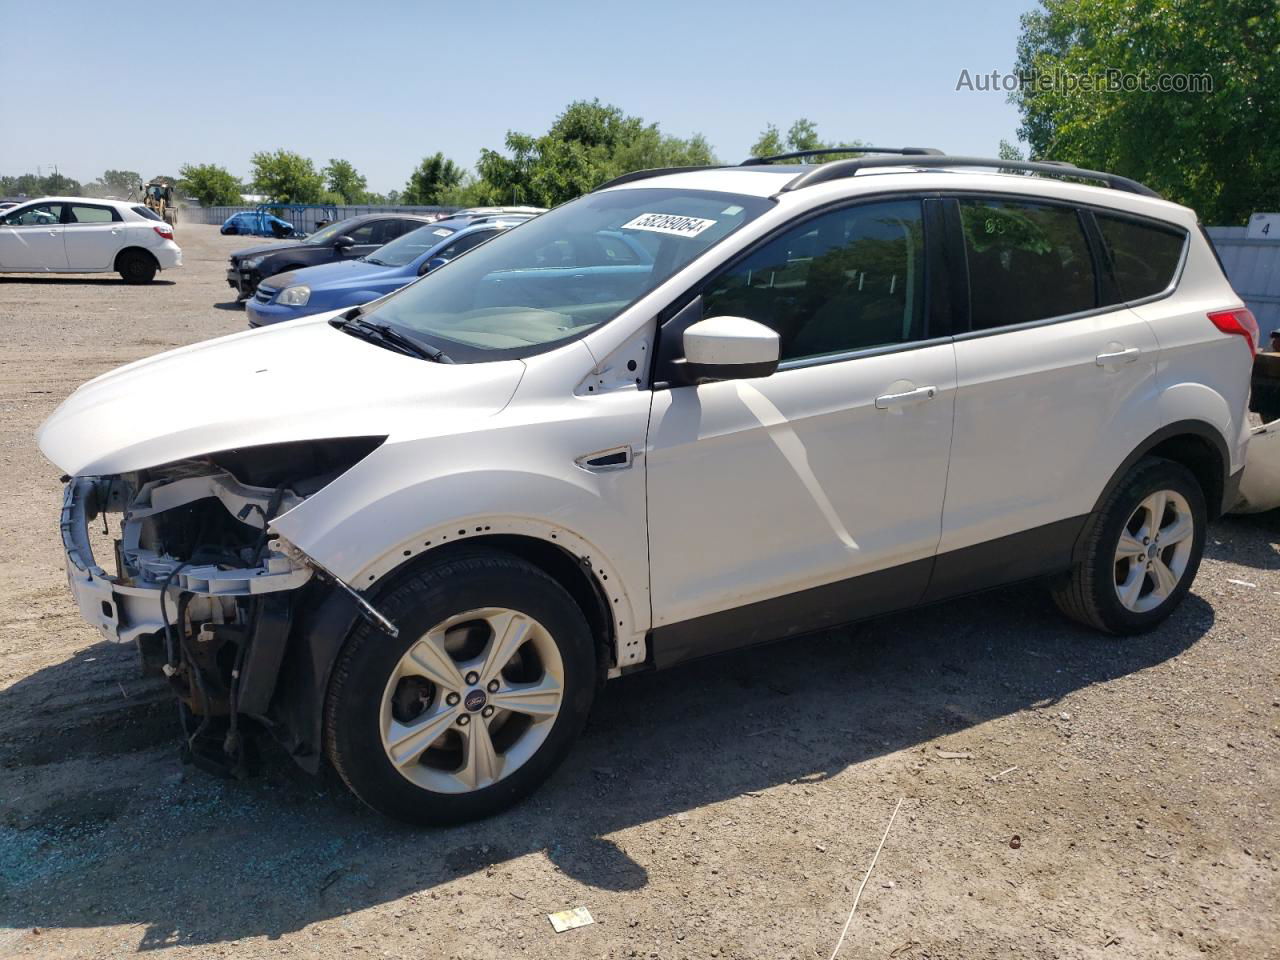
(690, 411)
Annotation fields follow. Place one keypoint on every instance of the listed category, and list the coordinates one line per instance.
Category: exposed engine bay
(201, 584)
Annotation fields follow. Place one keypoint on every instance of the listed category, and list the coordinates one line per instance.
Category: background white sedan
(83, 235)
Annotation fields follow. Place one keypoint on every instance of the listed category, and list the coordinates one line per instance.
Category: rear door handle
(891, 400)
(1115, 359)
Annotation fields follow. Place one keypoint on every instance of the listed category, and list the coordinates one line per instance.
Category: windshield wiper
(381, 263)
(381, 333)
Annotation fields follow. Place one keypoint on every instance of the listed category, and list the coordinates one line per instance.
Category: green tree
(55, 184)
(1215, 150)
(430, 179)
(209, 183)
(121, 183)
(287, 177)
(802, 135)
(588, 143)
(344, 180)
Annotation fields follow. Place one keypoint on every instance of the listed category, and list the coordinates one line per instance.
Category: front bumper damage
(127, 605)
(243, 280)
(201, 586)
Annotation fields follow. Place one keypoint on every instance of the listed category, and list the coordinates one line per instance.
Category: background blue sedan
(349, 283)
(257, 224)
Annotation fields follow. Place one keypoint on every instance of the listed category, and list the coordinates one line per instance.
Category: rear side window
(152, 215)
(1027, 261)
(78, 213)
(1142, 256)
(843, 281)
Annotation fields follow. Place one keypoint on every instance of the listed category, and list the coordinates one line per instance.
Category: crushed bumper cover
(124, 607)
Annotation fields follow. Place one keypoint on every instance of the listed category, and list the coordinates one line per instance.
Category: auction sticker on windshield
(669, 223)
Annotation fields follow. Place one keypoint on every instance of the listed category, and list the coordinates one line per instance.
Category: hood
(263, 249)
(342, 273)
(303, 380)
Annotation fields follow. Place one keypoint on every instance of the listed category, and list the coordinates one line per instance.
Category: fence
(307, 221)
(1253, 267)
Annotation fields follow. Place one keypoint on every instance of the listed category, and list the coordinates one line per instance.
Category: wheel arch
(133, 248)
(1197, 445)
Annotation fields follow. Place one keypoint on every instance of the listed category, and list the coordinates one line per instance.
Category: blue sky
(148, 87)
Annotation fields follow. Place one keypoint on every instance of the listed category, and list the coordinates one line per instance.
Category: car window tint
(38, 215)
(463, 244)
(78, 213)
(1027, 261)
(1142, 256)
(367, 232)
(847, 280)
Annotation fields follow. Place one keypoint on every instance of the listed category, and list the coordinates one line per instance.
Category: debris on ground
(570, 919)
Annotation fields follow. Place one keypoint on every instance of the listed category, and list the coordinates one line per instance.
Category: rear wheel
(1142, 554)
(135, 266)
(474, 704)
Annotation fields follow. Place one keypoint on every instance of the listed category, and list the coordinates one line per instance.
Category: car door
(31, 239)
(369, 236)
(813, 496)
(92, 234)
(1056, 385)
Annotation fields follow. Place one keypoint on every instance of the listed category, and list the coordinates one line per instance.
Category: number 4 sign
(1264, 226)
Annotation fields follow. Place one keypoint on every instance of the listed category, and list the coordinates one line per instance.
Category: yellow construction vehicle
(157, 194)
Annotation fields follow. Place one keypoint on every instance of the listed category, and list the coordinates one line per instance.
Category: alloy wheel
(472, 700)
(1153, 550)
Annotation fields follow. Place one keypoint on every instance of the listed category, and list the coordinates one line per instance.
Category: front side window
(1027, 261)
(547, 281)
(846, 280)
(331, 233)
(410, 246)
(1142, 256)
(78, 213)
(38, 215)
(463, 244)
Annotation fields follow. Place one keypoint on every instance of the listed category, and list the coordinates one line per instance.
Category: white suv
(690, 411)
(84, 235)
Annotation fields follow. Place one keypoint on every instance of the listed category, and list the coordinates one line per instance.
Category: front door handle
(1118, 357)
(889, 401)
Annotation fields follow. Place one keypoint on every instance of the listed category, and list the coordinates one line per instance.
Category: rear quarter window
(149, 213)
(1027, 261)
(1142, 256)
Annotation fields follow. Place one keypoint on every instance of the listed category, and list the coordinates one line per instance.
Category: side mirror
(435, 263)
(730, 348)
(344, 243)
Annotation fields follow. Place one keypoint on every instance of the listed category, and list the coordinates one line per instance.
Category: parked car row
(362, 267)
(86, 235)
(347, 283)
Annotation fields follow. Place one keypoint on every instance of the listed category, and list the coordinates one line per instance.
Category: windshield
(564, 273)
(410, 246)
(330, 233)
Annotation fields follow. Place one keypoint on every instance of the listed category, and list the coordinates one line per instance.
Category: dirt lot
(728, 809)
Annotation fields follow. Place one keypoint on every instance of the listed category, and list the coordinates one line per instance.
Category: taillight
(1240, 322)
(167, 232)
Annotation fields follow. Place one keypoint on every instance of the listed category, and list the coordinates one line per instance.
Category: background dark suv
(344, 240)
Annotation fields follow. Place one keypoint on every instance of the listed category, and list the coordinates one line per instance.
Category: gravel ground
(727, 809)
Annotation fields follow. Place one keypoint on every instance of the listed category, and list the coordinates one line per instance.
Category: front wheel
(474, 704)
(1142, 553)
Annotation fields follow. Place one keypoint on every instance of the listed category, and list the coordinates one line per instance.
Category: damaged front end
(209, 594)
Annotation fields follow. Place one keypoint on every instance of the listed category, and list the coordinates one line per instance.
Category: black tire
(135, 266)
(1088, 593)
(416, 603)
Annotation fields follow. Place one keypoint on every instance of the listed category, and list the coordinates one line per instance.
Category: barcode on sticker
(669, 223)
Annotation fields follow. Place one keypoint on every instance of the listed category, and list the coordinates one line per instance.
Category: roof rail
(829, 151)
(655, 172)
(1054, 168)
